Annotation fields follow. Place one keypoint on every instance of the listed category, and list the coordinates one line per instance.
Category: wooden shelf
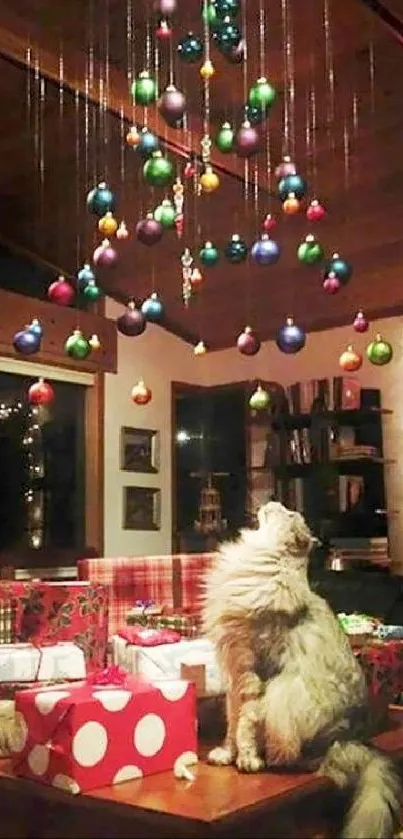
(344, 466)
(295, 421)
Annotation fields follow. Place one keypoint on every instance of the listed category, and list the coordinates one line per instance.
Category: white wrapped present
(193, 659)
(27, 663)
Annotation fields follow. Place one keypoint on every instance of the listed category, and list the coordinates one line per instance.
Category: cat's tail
(375, 786)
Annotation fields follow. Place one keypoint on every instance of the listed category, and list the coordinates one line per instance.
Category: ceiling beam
(24, 42)
(387, 18)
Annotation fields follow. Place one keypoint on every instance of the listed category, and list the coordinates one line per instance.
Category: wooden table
(218, 803)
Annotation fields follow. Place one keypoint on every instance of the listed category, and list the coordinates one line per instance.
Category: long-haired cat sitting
(296, 695)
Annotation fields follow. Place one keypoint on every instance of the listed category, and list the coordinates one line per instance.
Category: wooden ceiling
(346, 138)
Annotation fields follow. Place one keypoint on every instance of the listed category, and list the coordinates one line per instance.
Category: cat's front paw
(249, 762)
(221, 756)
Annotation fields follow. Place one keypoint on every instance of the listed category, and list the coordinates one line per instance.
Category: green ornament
(165, 213)
(379, 352)
(262, 95)
(158, 170)
(310, 251)
(144, 89)
(77, 345)
(259, 400)
(224, 138)
(92, 292)
(209, 254)
(209, 13)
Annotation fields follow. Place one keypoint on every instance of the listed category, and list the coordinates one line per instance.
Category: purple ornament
(247, 342)
(132, 322)
(247, 140)
(265, 251)
(172, 104)
(149, 231)
(26, 342)
(290, 338)
(285, 168)
(104, 255)
(165, 7)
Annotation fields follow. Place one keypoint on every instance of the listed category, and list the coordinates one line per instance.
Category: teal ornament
(262, 94)
(101, 200)
(85, 275)
(36, 328)
(190, 48)
(144, 89)
(158, 170)
(340, 267)
(254, 115)
(227, 36)
(236, 250)
(227, 8)
(224, 138)
(92, 292)
(165, 213)
(292, 184)
(148, 143)
(152, 308)
(310, 251)
(209, 255)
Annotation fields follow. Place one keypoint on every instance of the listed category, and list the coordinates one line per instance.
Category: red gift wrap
(94, 734)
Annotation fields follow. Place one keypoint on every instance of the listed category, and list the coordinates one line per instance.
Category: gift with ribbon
(31, 662)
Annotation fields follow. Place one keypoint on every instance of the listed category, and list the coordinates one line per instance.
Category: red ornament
(247, 342)
(196, 278)
(190, 169)
(163, 31)
(133, 137)
(331, 283)
(141, 394)
(61, 292)
(41, 393)
(350, 360)
(269, 223)
(315, 211)
(179, 225)
(360, 323)
(291, 205)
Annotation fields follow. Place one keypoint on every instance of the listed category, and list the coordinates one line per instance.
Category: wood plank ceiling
(345, 128)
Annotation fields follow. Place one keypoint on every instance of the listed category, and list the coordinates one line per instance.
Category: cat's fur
(296, 694)
(7, 726)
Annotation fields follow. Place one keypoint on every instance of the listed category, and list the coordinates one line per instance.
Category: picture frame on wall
(141, 508)
(139, 450)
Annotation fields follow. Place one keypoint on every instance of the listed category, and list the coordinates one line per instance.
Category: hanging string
(262, 73)
(286, 79)
(130, 68)
(106, 92)
(148, 59)
(372, 77)
(28, 64)
(330, 74)
(290, 51)
(91, 88)
(313, 128)
(77, 103)
(61, 142)
(207, 60)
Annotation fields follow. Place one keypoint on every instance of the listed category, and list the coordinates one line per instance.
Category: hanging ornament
(107, 225)
(259, 399)
(172, 104)
(290, 338)
(101, 200)
(207, 70)
(149, 231)
(26, 342)
(190, 48)
(236, 250)
(350, 360)
(247, 342)
(165, 7)
(236, 55)
(133, 137)
(291, 205)
(187, 262)
(262, 95)
(292, 185)
(191, 168)
(144, 89)
(224, 139)
(158, 170)
(178, 198)
(331, 284)
(209, 255)
(310, 251)
(94, 342)
(36, 328)
(340, 267)
(149, 143)
(360, 323)
(104, 255)
(152, 308)
(196, 278)
(205, 146)
(41, 393)
(227, 7)
(200, 348)
(269, 222)
(132, 322)
(84, 275)
(227, 35)
(315, 211)
(285, 168)
(77, 346)
(61, 292)
(254, 115)
(122, 232)
(163, 31)
(209, 14)
(209, 180)
(247, 140)
(165, 213)
(379, 352)
(141, 395)
(265, 251)
(92, 292)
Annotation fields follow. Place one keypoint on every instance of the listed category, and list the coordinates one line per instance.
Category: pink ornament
(149, 231)
(285, 168)
(61, 292)
(315, 211)
(247, 342)
(104, 255)
(360, 323)
(331, 283)
(269, 223)
(165, 7)
(163, 31)
(247, 140)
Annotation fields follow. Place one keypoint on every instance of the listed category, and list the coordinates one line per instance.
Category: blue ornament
(265, 251)
(340, 267)
(152, 308)
(101, 200)
(26, 342)
(148, 144)
(36, 328)
(227, 36)
(255, 115)
(85, 275)
(236, 250)
(292, 184)
(190, 48)
(227, 7)
(290, 338)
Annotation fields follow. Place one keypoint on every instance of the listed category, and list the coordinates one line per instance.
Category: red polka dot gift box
(93, 734)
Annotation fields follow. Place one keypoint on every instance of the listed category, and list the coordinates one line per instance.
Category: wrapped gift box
(187, 624)
(79, 737)
(27, 663)
(196, 658)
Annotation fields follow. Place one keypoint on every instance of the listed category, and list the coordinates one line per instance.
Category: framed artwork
(139, 450)
(141, 508)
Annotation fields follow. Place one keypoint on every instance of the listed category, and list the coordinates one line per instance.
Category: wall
(159, 358)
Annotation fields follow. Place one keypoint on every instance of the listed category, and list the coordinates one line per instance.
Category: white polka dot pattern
(66, 783)
(46, 701)
(173, 690)
(185, 759)
(113, 700)
(149, 735)
(90, 744)
(38, 760)
(127, 773)
(20, 733)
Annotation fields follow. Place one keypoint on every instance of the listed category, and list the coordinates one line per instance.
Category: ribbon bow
(113, 675)
(144, 604)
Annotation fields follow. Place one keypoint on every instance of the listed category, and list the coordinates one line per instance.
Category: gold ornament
(207, 70)
(94, 342)
(209, 181)
(200, 348)
(107, 225)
